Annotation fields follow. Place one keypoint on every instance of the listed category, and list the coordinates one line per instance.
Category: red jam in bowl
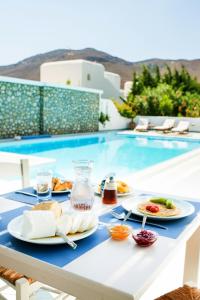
(145, 238)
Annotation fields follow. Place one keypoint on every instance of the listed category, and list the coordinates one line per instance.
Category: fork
(122, 215)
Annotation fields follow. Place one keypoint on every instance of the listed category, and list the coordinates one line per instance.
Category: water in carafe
(82, 194)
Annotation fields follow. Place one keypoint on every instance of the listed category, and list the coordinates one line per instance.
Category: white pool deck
(178, 176)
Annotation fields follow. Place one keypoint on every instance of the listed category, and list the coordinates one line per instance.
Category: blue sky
(131, 29)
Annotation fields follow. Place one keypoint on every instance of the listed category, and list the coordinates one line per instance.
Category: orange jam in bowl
(119, 232)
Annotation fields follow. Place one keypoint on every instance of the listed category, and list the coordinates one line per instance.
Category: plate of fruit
(123, 189)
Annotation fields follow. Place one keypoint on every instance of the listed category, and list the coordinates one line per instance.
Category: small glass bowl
(119, 232)
(144, 238)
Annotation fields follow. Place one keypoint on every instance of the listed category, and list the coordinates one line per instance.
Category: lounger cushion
(168, 124)
(143, 122)
(182, 126)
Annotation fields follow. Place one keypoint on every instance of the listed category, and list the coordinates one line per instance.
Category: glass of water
(43, 185)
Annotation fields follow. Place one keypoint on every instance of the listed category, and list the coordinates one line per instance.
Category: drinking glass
(43, 185)
(82, 194)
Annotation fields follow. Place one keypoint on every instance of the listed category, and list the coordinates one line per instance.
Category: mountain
(30, 68)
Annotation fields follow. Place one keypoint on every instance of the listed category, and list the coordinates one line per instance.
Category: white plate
(56, 192)
(65, 191)
(15, 228)
(61, 192)
(186, 208)
(118, 194)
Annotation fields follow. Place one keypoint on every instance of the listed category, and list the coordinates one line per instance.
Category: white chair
(18, 168)
(182, 127)
(26, 288)
(143, 125)
(167, 125)
(18, 165)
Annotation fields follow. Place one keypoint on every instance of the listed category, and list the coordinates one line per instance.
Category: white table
(116, 270)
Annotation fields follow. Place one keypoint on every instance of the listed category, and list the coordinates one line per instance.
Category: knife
(148, 223)
(26, 193)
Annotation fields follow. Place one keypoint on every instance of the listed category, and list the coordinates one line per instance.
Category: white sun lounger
(182, 127)
(143, 125)
(167, 125)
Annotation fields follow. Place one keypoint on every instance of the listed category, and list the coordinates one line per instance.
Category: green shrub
(68, 82)
(103, 118)
(173, 93)
(193, 105)
(126, 109)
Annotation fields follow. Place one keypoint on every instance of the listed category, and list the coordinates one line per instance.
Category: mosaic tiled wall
(69, 110)
(19, 109)
(28, 109)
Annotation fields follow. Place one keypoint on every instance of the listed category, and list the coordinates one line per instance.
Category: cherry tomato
(152, 208)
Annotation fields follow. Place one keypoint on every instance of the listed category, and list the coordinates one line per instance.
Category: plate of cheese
(39, 225)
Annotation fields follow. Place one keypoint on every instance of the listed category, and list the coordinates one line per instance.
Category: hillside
(30, 68)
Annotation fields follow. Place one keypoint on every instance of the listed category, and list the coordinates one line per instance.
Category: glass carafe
(82, 194)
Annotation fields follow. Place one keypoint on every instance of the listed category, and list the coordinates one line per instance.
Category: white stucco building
(82, 73)
(127, 88)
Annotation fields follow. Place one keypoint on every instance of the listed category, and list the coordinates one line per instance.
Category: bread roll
(49, 205)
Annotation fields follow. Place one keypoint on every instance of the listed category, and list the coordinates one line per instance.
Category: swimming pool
(110, 152)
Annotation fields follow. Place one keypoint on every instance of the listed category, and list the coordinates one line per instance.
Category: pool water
(110, 152)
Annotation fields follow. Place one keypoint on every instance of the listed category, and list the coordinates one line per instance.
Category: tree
(173, 93)
(166, 106)
(167, 77)
(137, 86)
(157, 75)
(147, 78)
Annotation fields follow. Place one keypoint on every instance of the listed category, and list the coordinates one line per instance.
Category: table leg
(192, 259)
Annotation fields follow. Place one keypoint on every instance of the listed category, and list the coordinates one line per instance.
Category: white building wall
(112, 84)
(116, 120)
(92, 75)
(61, 72)
(127, 88)
(82, 73)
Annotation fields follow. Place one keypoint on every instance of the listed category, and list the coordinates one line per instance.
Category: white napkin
(64, 224)
(42, 223)
(38, 224)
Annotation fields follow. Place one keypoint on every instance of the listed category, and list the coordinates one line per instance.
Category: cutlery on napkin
(121, 216)
(63, 227)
